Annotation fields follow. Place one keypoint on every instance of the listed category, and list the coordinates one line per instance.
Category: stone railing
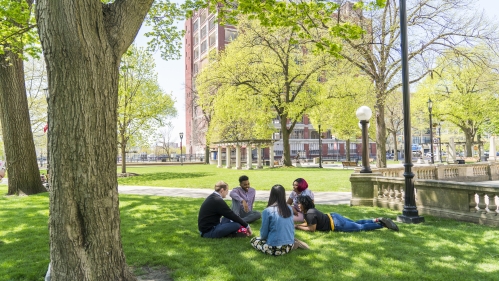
(464, 201)
(454, 172)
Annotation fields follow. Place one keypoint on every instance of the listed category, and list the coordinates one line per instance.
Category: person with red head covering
(300, 187)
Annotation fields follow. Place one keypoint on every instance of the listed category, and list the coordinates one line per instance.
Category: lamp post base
(410, 219)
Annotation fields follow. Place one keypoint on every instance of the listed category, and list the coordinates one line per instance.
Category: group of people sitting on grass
(279, 219)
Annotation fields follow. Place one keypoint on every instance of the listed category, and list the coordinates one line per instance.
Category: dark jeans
(248, 217)
(221, 230)
(347, 225)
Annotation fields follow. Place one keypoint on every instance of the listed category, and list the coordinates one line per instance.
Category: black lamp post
(320, 147)
(181, 134)
(47, 96)
(364, 113)
(430, 107)
(410, 212)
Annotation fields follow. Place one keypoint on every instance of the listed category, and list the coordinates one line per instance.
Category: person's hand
(248, 231)
(245, 206)
(295, 212)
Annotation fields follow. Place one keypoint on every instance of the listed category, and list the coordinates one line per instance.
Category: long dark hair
(306, 202)
(278, 195)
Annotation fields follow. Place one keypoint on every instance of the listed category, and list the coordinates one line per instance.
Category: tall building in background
(202, 34)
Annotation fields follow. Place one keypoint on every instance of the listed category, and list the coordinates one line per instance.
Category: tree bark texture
(380, 131)
(22, 167)
(83, 42)
(285, 141)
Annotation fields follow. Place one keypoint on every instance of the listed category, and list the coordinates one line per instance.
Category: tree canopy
(268, 73)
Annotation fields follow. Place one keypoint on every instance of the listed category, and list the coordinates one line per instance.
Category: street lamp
(320, 147)
(181, 134)
(364, 113)
(430, 107)
(410, 213)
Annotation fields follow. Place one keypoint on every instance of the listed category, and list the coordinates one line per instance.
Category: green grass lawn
(205, 176)
(162, 231)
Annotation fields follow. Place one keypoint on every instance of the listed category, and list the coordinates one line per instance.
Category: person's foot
(300, 244)
(388, 223)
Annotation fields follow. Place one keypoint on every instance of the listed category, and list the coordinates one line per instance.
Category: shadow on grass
(163, 231)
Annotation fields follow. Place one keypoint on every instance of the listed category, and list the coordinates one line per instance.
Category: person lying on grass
(315, 220)
(212, 209)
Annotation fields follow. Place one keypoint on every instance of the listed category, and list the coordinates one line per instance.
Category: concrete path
(333, 198)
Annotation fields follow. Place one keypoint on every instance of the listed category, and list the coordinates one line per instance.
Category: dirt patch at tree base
(154, 274)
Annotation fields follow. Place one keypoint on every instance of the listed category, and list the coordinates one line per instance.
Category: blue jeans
(347, 225)
(222, 230)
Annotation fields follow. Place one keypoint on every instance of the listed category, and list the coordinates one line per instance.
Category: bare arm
(306, 227)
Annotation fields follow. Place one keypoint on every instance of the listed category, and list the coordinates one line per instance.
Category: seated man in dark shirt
(211, 211)
(316, 220)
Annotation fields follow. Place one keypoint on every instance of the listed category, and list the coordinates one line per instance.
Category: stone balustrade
(440, 191)
(468, 172)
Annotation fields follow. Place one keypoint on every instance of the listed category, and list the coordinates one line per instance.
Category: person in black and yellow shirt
(315, 220)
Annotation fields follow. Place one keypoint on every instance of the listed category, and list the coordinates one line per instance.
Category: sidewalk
(331, 198)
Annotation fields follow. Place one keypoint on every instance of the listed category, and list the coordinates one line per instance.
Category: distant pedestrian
(315, 220)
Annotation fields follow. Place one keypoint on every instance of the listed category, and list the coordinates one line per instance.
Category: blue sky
(171, 74)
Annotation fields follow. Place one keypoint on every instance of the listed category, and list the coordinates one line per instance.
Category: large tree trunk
(285, 142)
(22, 167)
(123, 154)
(83, 42)
(380, 133)
(395, 144)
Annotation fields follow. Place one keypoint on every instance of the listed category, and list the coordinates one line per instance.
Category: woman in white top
(300, 187)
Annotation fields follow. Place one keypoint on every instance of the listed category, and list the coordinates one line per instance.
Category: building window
(203, 31)
(196, 39)
(211, 23)
(230, 35)
(296, 134)
(203, 16)
(213, 39)
(195, 26)
(196, 53)
(195, 68)
(204, 46)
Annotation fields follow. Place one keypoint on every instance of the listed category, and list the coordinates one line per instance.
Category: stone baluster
(481, 203)
(398, 193)
(380, 190)
(392, 192)
(492, 203)
(472, 202)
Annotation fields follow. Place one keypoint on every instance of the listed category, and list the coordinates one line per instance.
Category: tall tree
(394, 118)
(16, 41)
(434, 26)
(142, 105)
(83, 42)
(463, 90)
(273, 65)
(336, 112)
